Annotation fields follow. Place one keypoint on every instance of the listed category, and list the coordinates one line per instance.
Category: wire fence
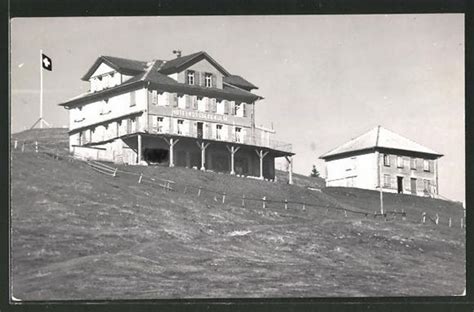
(220, 197)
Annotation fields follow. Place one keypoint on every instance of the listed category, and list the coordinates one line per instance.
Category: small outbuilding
(382, 158)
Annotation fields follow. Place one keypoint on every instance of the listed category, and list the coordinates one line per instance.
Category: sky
(325, 78)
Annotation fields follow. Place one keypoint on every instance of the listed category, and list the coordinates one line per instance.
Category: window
(133, 99)
(208, 80)
(238, 109)
(190, 77)
(413, 163)
(180, 126)
(399, 162)
(426, 165)
(386, 160)
(386, 180)
(426, 185)
(181, 101)
(194, 102)
(220, 107)
(105, 109)
(159, 121)
(238, 134)
(218, 132)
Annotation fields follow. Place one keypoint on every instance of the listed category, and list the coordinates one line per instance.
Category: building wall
(105, 77)
(202, 66)
(191, 109)
(107, 108)
(361, 171)
(424, 179)
(355, 171)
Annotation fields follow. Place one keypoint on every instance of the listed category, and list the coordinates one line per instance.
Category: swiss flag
(46, 61)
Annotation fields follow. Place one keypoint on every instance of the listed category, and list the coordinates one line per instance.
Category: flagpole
(41, 88)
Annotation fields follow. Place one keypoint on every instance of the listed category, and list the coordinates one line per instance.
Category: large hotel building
(188, 111)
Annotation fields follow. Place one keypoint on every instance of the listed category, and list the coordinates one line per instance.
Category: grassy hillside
(78, 234)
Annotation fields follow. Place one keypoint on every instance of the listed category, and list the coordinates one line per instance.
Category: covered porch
(206, 154)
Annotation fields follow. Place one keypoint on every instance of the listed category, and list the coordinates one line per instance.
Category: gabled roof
(238, 81)
(122, 65)
(152, 75)
(179, 63)
(380, 137)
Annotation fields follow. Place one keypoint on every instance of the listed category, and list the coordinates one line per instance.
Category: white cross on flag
(46, 61)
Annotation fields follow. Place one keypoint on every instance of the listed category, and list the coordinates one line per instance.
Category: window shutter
(244, 109)
(226, 107)
(208, 133)
(232, 107)
(186, 80)
(203, 79)
(214, 105)
(195, 102)
(188, 101)
(174, 99)
(207, 104)
(214, 84)
(154, 121)
(154, 97)
(196, 78)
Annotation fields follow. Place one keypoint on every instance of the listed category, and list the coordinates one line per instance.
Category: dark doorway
(400, 185)
(199, 130)
(413, 186)
(155, 155)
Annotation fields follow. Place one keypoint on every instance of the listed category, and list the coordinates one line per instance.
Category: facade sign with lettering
(198, 115)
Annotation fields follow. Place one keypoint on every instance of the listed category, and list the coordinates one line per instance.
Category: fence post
(223, 198)
(263, 202)
(304, 206)
(404, 215)
(462, 223)
(36, 146)
(199, 192)
(15, 144)
(140, 178)
(115, 172)
(23, 147)
(185, 188)
(345, 213)
(327, 211)
(423, 216)
(286, 204)
(449, 222)
(243, 200)
(437, 219)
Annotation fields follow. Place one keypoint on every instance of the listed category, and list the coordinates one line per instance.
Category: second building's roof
(379, 137)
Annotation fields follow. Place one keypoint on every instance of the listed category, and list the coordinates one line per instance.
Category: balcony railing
(255, 140)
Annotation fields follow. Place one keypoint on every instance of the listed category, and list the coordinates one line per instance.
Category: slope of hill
(78, 234)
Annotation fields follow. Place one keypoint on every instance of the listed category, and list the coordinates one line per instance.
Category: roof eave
(92, 96)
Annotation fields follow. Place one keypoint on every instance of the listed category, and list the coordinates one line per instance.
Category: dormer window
(208, 80)
(190, 77)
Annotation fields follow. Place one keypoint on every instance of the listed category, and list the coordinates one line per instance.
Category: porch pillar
(261, 155)
(172, 152)
(203, 147)
(139, 148)
(289, 159)
(232, 151)
(171, 142)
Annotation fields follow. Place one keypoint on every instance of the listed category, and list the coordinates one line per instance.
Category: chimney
(177, 52)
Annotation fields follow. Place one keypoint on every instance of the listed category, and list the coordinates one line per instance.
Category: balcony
(258, 139)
